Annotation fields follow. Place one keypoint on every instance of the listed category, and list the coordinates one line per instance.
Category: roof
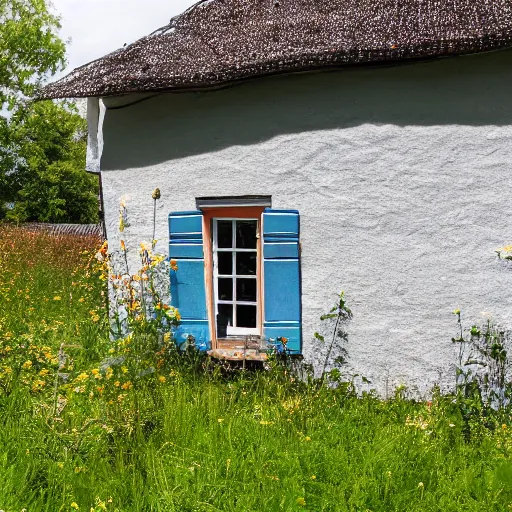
(218, 42)
(93, 230)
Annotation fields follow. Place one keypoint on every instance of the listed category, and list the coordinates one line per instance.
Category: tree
(42, 144)
(30, 49)
(49, 141)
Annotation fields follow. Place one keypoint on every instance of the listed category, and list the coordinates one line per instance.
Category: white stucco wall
(402, 176)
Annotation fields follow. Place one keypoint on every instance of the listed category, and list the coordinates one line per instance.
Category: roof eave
(208, 87)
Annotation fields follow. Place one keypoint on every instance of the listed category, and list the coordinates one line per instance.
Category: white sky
(97, 27)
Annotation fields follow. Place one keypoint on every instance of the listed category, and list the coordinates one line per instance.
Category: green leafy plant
(482, 373)
(336, 337)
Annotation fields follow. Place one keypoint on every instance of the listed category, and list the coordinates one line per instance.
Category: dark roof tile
(217, 42)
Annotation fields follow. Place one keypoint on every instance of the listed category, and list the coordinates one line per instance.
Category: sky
(97, 27)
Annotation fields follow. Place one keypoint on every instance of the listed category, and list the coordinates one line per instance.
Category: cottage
(304, 147)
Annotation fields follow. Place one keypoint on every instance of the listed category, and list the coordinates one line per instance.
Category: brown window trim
(242, 212)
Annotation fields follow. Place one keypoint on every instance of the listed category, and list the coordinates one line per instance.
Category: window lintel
(233, 201)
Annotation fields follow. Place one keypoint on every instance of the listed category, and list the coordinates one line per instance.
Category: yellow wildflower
(27, 365)
(57, 298)
(74, 504)
(161, 378)
(157, 260)
(100, 504)
(38, 384)
(301, 502)
(127, 385)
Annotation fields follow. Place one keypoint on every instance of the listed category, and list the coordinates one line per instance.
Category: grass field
(79, 434)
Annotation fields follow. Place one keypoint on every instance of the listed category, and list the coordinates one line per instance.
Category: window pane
(225, 260)
(246, 290)
(224, 234)
(246, 263)
(246, 234)
(225, 289)
(246, 316)
(224, 318)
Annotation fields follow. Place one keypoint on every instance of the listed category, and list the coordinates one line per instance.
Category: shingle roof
(217, 42)
(93, 230)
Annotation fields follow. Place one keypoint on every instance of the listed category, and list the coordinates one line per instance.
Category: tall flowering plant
(142, 321)
(139, 299)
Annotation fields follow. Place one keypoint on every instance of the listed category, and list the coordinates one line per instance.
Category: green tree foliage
(42, 145)
(30, 49)
(49, 141)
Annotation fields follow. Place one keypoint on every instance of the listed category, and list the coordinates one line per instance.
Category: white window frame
(235, 331)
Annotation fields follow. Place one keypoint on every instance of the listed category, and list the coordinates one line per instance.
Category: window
(236, 276)
(238, 272)
(233, 272)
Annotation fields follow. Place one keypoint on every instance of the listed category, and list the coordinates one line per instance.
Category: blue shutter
(187, 283)
(281, 270)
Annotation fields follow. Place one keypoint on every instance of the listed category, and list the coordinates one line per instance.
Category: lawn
(88, 423)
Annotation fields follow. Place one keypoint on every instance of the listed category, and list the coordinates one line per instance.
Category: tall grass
(191, 437)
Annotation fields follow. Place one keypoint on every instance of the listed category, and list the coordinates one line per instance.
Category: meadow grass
(77, 434)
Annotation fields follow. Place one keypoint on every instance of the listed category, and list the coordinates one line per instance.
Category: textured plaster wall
(402, 176)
